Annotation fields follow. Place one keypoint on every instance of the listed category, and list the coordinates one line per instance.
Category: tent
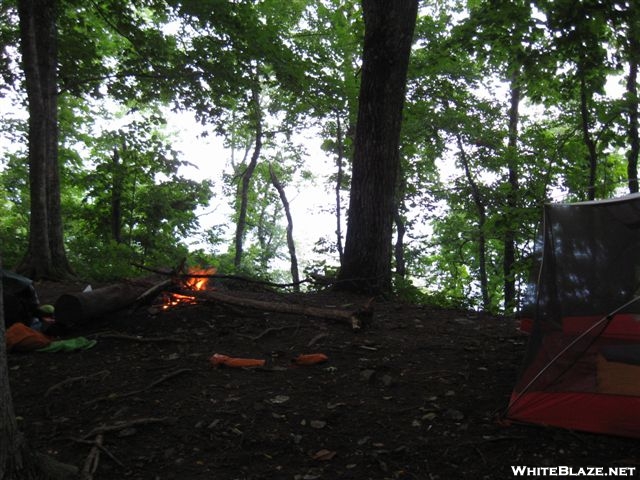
(19, 298)
(581, 369)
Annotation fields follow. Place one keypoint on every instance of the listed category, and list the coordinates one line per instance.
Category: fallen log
(75, 308)
(355, 318)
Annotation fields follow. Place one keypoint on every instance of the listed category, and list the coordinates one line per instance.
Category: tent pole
(606, 318)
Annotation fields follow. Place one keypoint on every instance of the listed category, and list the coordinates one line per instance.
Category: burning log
(355, 318)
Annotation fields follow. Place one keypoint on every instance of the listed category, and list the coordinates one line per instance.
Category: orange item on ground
(310, 359)
(218, 359)
(20, 338)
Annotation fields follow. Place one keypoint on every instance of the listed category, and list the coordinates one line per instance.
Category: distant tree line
(523, 102)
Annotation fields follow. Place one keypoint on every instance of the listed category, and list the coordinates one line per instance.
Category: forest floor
(416, 394)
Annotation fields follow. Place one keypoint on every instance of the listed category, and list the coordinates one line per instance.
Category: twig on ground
(266, 332)
(70, 380)
(135, 338)
(116, 396)
(316, 338)
(91, 463)
(479, 452)
(101, 446)
(163, 379)
(122, 425)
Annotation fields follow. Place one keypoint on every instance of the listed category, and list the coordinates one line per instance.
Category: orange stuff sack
(218, 359)
(20, 338)
(310, 359)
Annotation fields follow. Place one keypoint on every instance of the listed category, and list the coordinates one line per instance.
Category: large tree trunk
(632, 97)
(46, 256)
(389, 26)
(512, 198)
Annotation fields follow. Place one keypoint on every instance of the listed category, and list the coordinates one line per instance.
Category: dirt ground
(416, 394)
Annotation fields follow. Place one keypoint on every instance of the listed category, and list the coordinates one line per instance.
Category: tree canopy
(507, 105)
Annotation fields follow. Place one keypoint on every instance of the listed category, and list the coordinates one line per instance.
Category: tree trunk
(45, 257)
(17, 461)
(482, 220)
(117, 184)
(401, 229)
(13, 453)
(389, 29)
(8, 424)
(246, 179)
(295, 275)
(632, 98)
(511, 227)
(339, 180)
(592, 154)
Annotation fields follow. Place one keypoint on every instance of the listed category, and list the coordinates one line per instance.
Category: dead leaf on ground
(324, 454)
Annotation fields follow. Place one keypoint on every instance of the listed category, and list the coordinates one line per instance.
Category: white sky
(306, 201)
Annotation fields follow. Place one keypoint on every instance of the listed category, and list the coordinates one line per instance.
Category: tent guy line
(607, 318)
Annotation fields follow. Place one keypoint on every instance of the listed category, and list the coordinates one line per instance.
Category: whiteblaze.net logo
(563, 471)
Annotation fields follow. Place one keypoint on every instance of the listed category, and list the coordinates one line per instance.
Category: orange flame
(195, 283)
(170, 300)
(199, 283)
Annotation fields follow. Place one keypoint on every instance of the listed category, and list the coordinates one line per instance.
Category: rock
(453, 414)
(318, 424)
(368, 375)
(429, 416)
(279, 399)
(387, 380)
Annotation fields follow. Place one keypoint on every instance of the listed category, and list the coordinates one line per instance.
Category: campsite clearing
(414, 395)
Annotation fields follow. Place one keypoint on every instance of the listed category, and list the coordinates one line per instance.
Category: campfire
(181, 289)
(170, 300)
(196, 280)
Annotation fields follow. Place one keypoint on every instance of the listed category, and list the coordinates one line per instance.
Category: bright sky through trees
(505, 110)
(309, 199)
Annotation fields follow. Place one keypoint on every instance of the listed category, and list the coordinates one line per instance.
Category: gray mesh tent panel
(582, 365)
